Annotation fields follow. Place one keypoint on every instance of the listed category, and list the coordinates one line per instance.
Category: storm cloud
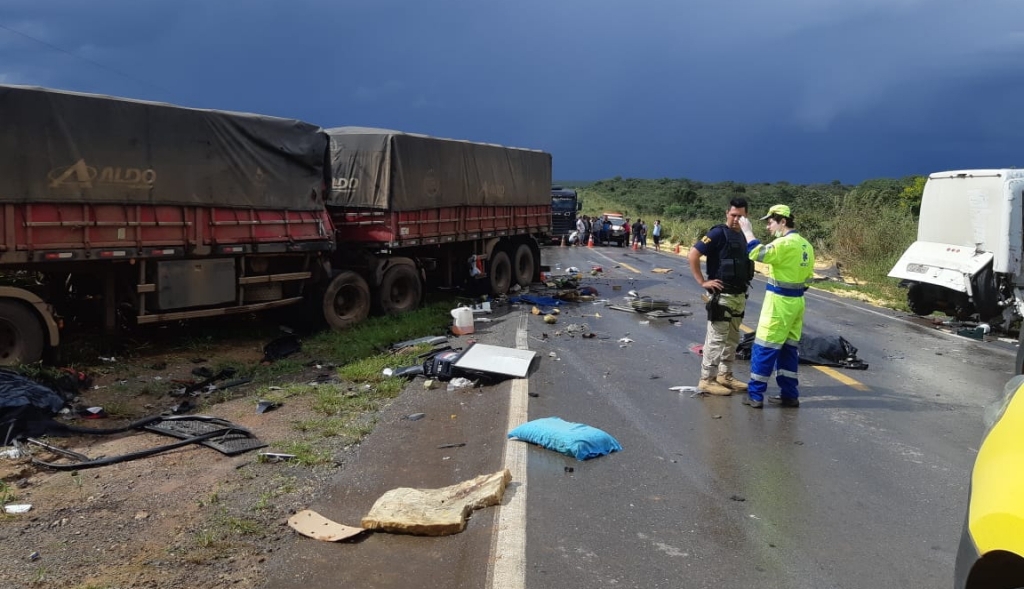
(797, 90)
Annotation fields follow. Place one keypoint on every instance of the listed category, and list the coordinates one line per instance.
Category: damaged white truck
(967, 260)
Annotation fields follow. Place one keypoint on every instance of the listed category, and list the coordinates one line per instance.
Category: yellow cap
(782, 210)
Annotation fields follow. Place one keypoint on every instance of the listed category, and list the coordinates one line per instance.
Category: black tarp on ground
(391, 170)
(27, 407)
(821, 350)
(58, 146)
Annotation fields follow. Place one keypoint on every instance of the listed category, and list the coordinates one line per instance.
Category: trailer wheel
(21, 334)
(525, 265)
(500, 273)
(346, 300)
(400, 290)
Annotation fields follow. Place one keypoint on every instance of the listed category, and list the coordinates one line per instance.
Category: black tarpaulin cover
(26, 406)
(821, 350)
(58, 146)
(391, 170)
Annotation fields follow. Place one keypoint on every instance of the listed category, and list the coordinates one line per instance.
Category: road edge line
(508, 548)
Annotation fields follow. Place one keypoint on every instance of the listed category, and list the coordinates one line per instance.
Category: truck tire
(21, 334)
(525, 265)
(500, 273)
(400, 290)
(346, 300)
(918, 302)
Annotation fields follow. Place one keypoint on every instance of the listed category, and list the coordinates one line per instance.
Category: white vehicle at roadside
(967, 260)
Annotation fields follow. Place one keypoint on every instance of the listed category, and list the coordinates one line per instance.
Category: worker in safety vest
(777, 341)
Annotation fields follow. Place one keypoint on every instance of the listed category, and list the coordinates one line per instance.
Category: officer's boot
(710, 386)
(728, 381)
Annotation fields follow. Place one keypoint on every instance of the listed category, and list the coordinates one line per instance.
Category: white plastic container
(463, 321)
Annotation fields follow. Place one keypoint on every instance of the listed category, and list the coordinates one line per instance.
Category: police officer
(777, 341)
(729, 274)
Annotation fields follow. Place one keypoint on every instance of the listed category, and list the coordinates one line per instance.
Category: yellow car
(991, 553)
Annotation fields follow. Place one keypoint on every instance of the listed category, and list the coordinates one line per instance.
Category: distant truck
(117, 212)
(967, 260)
(565, 205)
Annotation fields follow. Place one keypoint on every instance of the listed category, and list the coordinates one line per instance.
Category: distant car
(618, 231)
(991, 553)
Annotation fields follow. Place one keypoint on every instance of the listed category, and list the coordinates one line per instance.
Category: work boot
(711, 387)
(784, 401)
(752, 403)
(728, 381)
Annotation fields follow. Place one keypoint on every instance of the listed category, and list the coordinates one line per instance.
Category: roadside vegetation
(862, 229)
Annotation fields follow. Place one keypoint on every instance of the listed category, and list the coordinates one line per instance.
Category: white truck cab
(967, 260)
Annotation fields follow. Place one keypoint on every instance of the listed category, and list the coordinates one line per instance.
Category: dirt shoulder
(190, 517)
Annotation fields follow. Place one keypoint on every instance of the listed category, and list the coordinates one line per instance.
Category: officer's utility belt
(717, 312)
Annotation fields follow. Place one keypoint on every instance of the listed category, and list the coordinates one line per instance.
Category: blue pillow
(574, 439)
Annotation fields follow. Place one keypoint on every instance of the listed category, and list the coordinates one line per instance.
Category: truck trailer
(412, 210)
(119, 212)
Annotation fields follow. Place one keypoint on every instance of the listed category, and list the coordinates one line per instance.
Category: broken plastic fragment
(274, 457)
(17, 508)
(264, 406)
(313, 525)
(625, 340)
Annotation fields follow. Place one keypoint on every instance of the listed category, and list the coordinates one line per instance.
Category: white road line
(508, 548)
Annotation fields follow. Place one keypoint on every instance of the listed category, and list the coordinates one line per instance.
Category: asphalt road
(863, 486)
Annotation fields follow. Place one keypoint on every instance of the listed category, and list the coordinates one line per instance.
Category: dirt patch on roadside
(190, 517)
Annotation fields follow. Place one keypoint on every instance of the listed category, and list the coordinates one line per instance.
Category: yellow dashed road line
(846, 380)
(628, 267)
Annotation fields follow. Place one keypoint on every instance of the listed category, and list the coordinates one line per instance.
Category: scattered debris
(435, 512)
(282, 347)
(17, 508)
(313, 525)
(496, 360)
(274, 457)
(683, 389)
(661, 270)
(263, 406)
(415, 416)
(459, 383)
(456, 445)
(432, 340)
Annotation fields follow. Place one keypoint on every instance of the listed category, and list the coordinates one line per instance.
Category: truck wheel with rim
(500, 273)
(524, 265)
(346, 300)
(400, 290)
(21, 334)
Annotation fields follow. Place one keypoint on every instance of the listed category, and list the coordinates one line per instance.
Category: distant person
(626, 230)
(656, 234)
(635, 232)
(581, 229)
(777, 342)
(643, 234)
(729, 274)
